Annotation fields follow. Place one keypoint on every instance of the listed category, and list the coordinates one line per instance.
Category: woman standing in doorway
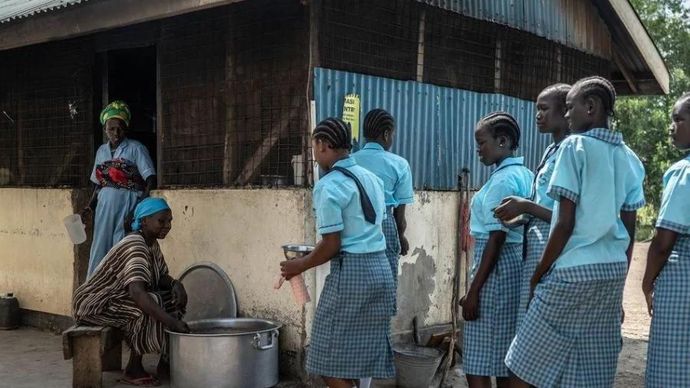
(123, 174)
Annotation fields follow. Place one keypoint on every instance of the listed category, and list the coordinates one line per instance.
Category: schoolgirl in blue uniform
(550, 120)
(666, 282)
(571, 333)
(490, 305)
(351, 333)
(394, 171)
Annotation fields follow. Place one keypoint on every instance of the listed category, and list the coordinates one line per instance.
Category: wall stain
(416, 284)
(424, 198)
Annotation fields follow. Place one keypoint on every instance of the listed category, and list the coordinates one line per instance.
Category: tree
(645, 121)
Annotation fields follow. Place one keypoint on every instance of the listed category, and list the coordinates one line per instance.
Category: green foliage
(645, 121)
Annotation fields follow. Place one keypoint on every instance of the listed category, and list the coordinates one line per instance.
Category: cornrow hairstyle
(376, 122)
(598, 87)
(502, 124)
(335, 132)
(559, 91)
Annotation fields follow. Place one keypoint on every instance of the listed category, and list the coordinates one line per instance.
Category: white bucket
(75, 228)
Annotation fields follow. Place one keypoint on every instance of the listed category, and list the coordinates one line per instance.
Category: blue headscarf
(146, 208)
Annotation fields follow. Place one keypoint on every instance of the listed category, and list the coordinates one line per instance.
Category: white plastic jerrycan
(75, 228)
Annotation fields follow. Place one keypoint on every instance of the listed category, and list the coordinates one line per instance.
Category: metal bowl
(293, 251)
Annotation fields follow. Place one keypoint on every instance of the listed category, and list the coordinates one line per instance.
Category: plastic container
(416, 365)
(75, 228)
(299, 290)
(9, 312)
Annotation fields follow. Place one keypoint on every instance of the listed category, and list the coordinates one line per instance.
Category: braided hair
(377, 122)
(599, 87)
(502, 124)
(558, 91)
(335, 132)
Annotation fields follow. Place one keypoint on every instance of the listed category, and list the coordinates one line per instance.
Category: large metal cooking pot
(225, 353)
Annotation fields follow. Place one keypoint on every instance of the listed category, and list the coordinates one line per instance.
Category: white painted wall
(240, 230)
(36, 255)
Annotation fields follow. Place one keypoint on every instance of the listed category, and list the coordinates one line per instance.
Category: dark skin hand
(657, 256)
(177, 288)
(401, 223)
(87, 212)
(324, 251)
(512, 207)
(137, 292)
(492, 251)
(557, 239)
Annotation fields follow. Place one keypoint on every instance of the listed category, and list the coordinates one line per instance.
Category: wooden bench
(95, 349)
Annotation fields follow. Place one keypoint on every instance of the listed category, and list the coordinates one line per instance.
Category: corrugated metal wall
(575, 23)
(435, 125)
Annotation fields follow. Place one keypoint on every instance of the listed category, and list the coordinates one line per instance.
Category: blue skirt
(668, 354)
(351, 334)
(571, 334)
(486, 339)
(536, 237)
(390, 231)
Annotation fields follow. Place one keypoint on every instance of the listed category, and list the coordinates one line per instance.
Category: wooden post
(87, 366)
(420, 46)
(230, 94)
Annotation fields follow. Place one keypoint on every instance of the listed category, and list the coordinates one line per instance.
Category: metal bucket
(225, 353)
(416, 365)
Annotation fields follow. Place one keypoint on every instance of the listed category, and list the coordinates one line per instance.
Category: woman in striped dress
(550, 119)
(666, 282)
(350, 338)
(490, 305)
(131, 290)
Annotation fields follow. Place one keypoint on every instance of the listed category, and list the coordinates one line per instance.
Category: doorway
(130, 75)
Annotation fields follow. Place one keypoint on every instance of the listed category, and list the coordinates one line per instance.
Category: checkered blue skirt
(668, 354)
(486, 339)
(571, 334)
(535, 239)
(390, 230)
(351, 334)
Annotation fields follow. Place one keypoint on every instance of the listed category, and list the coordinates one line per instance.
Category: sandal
(146, 381)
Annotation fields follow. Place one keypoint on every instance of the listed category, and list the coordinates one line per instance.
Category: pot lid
(210, 293)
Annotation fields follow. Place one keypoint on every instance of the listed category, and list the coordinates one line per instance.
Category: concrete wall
(425, 275)
(36, 255)
(240, 230)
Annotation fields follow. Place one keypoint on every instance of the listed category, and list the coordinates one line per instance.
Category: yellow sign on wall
(351, 114)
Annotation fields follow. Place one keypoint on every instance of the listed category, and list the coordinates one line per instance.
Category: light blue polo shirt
(674, 213)
(338, 208)
(511, 177)
(598, 172)
(393, 170)
(544, 173)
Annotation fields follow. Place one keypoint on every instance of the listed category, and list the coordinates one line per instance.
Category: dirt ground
(30, 358)
(633, 357)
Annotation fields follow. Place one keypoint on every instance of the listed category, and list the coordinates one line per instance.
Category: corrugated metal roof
(435, 124)
(15, 9)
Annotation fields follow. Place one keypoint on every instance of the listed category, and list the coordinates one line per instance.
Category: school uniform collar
(510, 161)
(607, 135)
(345, 162)
(372, 145)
